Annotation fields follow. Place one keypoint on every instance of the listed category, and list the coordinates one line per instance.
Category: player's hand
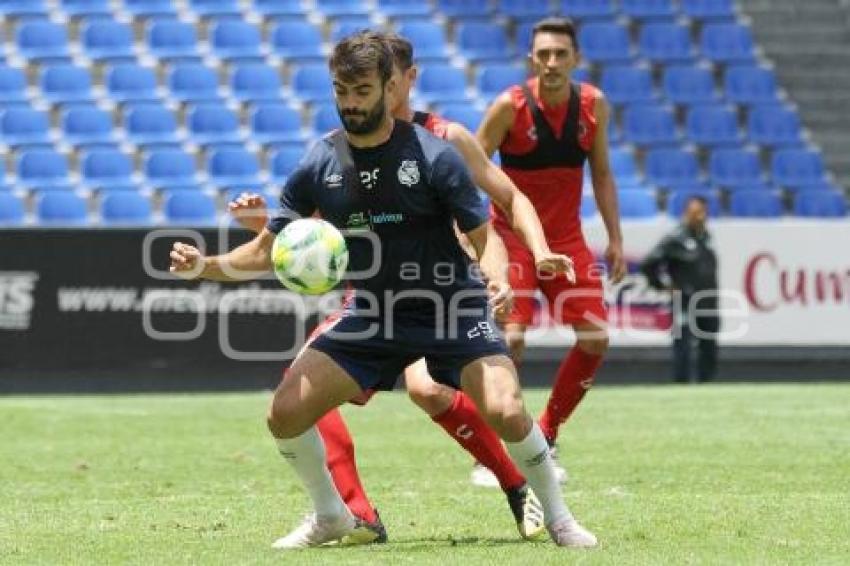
(550, 262)
(186, 261)
(616, 262)
(249, 210)
(501, 299)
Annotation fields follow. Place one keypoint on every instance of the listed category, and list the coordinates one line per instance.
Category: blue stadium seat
(735, 168)
(672, 167)
(713, 125)
(279, 8)
(236, 40)
(774, 125)
(23, 8)
(727, 43)
(341, 8)
(39, 40)
(797, 168)
(4, 186)
(442, 83)
(750, 84)
(150, 125)
(638, 203)
(623, 165)
(284, 161)
(623, 85)
(325, 118)
(253, 82)
(525, 9)
(173, 40)
(193, 82)
(105, 40)
(709, 9)
(150, 8)
(131, 83)
(276, 123)
(345, 27)
(428, 38)
(477, 41)
(522, 37)
(107, 169)
(605, 43)
(689, 85)
(588, 206)
(464, 9)
(13, 85)
(677, 200)
(86, 8)
(170, 167)
(666, 43)
(820, 204)
(311, 82)
(589, 9)
(755, 204)
(232, 167)
(86, 125)
(189, 207)
(43, 168)
(297, 41)
(465, 114)
(404, 8)
(66, 83)
(213, 124)
(24, 126)
(214, 8)
(11, 210)
(648, 9)
(125, 208)
(650, 124)
(493, 79)
(61, 208)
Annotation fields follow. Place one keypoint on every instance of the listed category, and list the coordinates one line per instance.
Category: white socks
(306, 453)
(531, 455)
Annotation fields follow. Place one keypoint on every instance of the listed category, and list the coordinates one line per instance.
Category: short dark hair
(558, 25)
(697, 198)
(402, 50)
(358, 54)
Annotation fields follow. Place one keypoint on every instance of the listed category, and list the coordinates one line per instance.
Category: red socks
(574, 378)
(342, 466)
(463, 422)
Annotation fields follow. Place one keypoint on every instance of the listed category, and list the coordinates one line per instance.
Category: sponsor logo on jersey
(408, 173)
(334, 181)
(532, 133)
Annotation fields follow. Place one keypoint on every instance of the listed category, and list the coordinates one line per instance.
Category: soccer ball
(309, 256)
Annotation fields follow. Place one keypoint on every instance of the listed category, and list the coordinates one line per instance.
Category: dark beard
(367, 125)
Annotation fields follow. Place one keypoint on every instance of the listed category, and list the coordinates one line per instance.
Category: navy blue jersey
(407, 194)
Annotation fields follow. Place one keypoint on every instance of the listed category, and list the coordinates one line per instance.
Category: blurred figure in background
(684, 263)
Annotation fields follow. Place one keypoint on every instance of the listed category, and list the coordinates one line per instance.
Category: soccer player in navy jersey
(406, 188)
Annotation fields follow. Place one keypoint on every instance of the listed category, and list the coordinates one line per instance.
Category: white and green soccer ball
(309, 256)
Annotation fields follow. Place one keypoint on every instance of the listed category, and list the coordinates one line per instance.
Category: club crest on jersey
(408, 173)
(532, 133)
(333, 181)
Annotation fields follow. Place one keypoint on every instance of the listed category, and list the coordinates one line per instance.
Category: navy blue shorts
(375, 353)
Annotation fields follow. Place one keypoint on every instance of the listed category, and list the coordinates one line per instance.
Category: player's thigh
(492, 383)
(522, 277)
(432, 397)
(583, 301)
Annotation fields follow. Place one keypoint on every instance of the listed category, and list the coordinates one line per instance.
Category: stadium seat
(649, 124)
(24, 126)
(821, 204)
(66, 83)
(279, 8)
(605, 43)
(493, 79)
(213, 124)
(588, 206)
(428, 38)
(713, 125)
(525, 9)
(193, 82)
(709, 9)
(255, 82)
(464, 9)
(150, 8)
(666, 43)
(797, 168)
(727, 43)
(276, 123)
(671, 167)
(105, 40)
(232, 167)
(648, 9)
(689, 85)
(170, 167)
(522, 37)
(325, 118)
(284, 161)
(23, 8)
(131, 83)
(151, 125)
(13, 86)
(311, 82)
(189, 207)
(86, 126)
(755, 204)
(589, 9)
(232, 40)
(442, 83)
(404, 8)
(343, 28)
(465, 114)
(61, 208)
(39, 40)
(11, 210)
(750, 84)
(341, 8)
(677, 200)
(107, 169)
(297, 41)
(623, 85)
(637, 203)
(477, 41)
(125, 208)
(43, 168)
(173, 40)
(774, 125)
(4, 186)
(735, 168)
(86, 8)
(214, 8)
(623, 165)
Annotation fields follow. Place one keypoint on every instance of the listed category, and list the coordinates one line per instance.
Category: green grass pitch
(722, 474)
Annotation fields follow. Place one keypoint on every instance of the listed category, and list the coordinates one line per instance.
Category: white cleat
(318, 530)
(568, 532)
(483, 477)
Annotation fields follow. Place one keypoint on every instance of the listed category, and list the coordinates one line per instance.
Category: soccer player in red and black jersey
(545, 130)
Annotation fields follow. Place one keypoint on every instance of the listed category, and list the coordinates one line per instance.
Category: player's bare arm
(246, 262)
(605, 191)
(493, 266)
(496, 124)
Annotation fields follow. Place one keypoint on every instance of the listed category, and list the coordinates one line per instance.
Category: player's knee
(281, 419)
(430, 396)
(509, 418)
(594, 342)
(516, 345)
